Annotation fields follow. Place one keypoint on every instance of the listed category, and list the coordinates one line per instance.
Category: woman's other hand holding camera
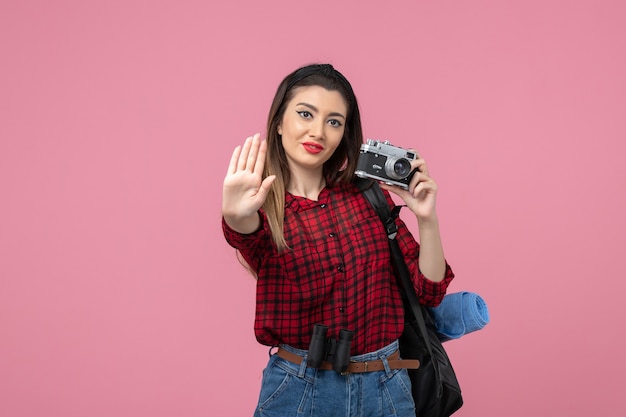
(421, 196)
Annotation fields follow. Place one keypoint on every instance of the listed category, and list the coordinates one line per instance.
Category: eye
(335, 123)
(305, 114)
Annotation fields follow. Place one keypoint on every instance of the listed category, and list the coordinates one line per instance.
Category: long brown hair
(341, 165)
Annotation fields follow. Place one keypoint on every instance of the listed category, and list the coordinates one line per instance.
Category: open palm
(245, 190)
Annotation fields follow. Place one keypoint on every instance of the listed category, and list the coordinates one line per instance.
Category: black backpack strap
(374, 194)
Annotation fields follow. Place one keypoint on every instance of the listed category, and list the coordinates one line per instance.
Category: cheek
(336, 143)
(291, 127)
(338, 136)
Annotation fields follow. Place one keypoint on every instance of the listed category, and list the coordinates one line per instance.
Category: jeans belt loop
(386, 365)
(302, 370)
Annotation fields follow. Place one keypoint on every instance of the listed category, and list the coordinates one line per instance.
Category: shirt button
(339, 269)
(323, 205)
(332, 234)
(341, 309)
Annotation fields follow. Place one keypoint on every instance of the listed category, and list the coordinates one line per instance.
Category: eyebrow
(315, 109)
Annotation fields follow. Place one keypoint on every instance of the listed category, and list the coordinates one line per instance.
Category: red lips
(312, 147)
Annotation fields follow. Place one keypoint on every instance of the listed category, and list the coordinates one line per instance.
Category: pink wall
(118, 295)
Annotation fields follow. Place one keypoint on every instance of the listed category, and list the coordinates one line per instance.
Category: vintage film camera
(384, 162)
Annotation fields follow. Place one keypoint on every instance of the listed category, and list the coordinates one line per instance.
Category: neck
(308, 187)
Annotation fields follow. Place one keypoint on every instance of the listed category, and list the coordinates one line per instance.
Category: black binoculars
(335, 351)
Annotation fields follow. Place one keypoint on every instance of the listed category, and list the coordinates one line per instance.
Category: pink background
(118, 294)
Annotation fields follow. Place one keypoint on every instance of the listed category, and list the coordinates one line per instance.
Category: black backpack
(434, 385)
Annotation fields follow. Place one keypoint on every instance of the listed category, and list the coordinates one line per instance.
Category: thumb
(264, 189)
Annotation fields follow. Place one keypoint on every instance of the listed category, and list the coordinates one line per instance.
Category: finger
(232, 166)
(418, 161)
(420, 164)
(260, 160)
(424, 187)
(243, 156)
(254, 151)
(266, 184)
(264, 189)
(417, 178)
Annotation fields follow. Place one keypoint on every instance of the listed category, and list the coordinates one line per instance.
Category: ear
(279, 130)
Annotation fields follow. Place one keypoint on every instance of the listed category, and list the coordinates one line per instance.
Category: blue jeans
(290, 390)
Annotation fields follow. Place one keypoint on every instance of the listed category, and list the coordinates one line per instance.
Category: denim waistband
(378, 354)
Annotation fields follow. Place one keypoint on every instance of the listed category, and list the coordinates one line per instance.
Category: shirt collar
(297, 203)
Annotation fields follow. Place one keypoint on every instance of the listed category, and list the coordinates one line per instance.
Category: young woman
(321, 255)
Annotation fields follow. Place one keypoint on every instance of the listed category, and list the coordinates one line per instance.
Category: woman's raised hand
(245, 190)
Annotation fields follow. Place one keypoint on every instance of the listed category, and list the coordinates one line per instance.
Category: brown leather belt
(393, 360)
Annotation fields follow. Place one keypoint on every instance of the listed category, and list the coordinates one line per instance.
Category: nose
(316, 129)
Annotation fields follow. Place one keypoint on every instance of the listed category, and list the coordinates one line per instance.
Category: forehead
(319, 97)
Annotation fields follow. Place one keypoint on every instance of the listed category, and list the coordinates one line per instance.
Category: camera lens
(402, 167)
(398, 168)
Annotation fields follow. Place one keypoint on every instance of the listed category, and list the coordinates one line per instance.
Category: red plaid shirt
(338, 272)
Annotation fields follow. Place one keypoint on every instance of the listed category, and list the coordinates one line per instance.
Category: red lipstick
(312, 147)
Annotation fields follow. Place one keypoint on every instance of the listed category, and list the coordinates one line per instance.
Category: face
(312, 128)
